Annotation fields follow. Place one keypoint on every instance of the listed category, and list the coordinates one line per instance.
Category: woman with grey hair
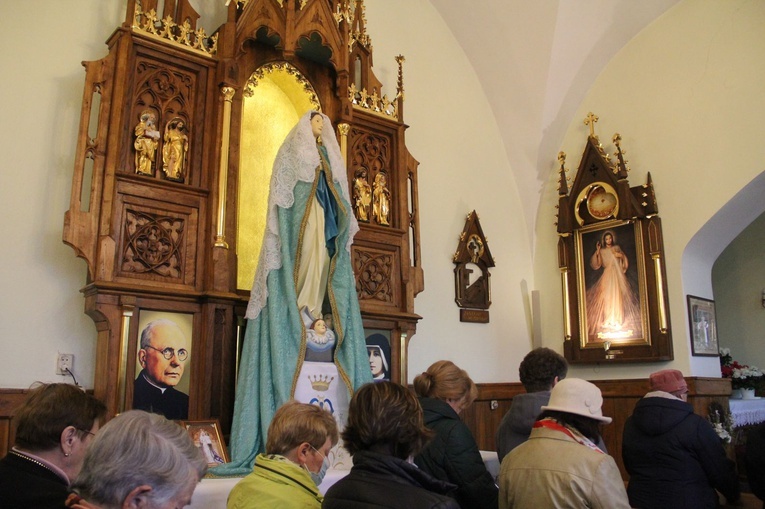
(139, 459)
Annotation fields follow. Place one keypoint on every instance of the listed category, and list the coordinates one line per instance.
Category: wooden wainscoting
(619, 399)
(484, 416)
(10, 399)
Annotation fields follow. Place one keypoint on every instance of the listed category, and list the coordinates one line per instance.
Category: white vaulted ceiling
(535, 60)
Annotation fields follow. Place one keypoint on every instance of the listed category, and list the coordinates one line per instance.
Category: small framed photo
(206, 435)
(703, 324)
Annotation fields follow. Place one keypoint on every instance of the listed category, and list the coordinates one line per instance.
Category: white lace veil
(296, 160)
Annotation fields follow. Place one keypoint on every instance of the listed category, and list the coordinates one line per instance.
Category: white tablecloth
(212, 493)
(746, 412)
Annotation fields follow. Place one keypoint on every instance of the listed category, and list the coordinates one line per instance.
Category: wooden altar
(164, 146)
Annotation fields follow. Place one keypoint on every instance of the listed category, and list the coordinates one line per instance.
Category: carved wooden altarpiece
(611, 261)
(158, 171)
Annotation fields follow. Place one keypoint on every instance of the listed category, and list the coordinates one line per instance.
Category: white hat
(579, 397)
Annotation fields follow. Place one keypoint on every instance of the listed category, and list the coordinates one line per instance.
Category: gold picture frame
(702, 321)
(207, 437)
(615, 297)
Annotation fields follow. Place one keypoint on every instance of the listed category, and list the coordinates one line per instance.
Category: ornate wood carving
(473, 293)
(374, 271)
(153, 244)
(610, 234)
(162, 238)
(371, 155)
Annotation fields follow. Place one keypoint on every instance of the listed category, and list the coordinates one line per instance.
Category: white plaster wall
(463, 167)
(453, 135)
(41, 88)
(738, 279)
(686, 96)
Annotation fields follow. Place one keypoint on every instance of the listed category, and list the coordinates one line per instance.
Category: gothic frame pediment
(610, 234)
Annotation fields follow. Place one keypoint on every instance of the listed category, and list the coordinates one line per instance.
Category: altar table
(747, 412)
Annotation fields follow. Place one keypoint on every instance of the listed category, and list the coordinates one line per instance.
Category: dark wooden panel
(619, 400)
(10, 399)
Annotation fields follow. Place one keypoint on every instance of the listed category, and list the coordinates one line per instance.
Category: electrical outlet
(65, 361)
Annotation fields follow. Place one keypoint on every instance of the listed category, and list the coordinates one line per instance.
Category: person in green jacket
(287, 475)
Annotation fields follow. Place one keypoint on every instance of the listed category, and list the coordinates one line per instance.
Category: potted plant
(744, 378)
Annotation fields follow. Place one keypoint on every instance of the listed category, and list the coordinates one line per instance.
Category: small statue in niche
(475, 248)
(319, 338)
(146, 141)
(175, 148)
(381, 196)
(362, 195)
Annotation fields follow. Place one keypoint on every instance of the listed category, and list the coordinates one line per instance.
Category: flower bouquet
(742, 376)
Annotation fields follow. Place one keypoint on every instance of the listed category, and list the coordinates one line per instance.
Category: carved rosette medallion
(153, 244)
(374, 275)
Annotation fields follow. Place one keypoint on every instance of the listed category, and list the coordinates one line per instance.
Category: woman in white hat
(561, 465)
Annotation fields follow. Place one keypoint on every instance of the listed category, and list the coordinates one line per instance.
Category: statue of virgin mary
(304, 273)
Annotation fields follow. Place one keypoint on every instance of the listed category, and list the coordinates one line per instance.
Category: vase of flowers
(743, 378)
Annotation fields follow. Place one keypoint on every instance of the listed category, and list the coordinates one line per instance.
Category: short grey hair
(147, 332)
(137, 448)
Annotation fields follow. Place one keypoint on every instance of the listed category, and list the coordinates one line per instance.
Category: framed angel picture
(206, 435)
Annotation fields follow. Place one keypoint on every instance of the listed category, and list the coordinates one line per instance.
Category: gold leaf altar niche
(178, 134)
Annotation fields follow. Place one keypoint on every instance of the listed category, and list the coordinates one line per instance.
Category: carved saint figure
(612, 306)
(175, 148)
(381, 195)
(362, 195)
(146, 141)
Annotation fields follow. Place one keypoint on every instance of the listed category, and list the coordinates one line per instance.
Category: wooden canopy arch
(157, 177)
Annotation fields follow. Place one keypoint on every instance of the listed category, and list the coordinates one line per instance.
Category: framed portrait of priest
(163, 351)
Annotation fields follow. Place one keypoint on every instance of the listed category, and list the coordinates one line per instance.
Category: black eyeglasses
(168, 352)
(85, 431)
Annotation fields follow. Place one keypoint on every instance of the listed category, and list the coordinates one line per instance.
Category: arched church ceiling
(536, 61)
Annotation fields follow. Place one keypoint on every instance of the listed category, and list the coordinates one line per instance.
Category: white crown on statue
(320, 382)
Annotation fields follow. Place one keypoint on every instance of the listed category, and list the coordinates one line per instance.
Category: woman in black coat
(674, 457)
(56, 424)
(384, 430)
(453, 456)
(754, 461)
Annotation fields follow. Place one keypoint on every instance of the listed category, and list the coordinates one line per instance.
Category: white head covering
(296, 160)
(577, 396)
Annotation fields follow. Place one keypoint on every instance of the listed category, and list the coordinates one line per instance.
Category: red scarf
(574, 434)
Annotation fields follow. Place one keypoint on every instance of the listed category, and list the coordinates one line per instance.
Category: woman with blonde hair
(445, 390)
(288, 474)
